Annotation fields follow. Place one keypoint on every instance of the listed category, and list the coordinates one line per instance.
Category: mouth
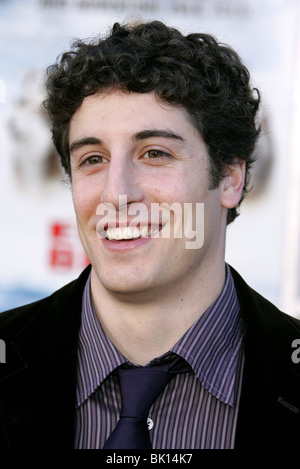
(128, 233)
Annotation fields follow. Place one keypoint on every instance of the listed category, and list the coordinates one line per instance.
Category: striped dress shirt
(197, 410)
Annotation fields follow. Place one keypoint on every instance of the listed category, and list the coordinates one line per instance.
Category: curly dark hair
(195, 71)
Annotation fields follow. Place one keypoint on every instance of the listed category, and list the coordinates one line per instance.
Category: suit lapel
(269, 408)
(42, 357)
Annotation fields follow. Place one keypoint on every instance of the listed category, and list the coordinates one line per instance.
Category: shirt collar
(211, 347)
(97, 356)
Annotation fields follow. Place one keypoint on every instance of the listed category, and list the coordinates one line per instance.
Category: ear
(232, 184)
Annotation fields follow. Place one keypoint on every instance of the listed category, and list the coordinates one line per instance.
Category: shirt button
(150, 423)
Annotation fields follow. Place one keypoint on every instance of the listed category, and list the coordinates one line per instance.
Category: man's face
(135, 146)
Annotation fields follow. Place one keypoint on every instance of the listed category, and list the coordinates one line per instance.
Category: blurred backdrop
(39, 247)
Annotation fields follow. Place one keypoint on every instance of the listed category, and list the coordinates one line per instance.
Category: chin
(124, 285)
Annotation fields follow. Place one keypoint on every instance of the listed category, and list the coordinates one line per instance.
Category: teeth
(144, 232)
(128, 232)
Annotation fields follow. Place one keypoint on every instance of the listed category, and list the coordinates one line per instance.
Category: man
(154, 129)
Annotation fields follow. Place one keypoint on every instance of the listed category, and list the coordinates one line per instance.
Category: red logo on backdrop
(65, 247)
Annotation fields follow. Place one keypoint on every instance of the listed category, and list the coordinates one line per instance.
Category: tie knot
(140, 387)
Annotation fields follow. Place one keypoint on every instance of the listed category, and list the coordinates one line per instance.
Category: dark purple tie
(140, 387)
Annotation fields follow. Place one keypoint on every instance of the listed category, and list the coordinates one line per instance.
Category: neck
(144, 327)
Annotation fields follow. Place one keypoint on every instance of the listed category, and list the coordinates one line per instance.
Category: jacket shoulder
(15, 319)
(266, 329)
(257, 307)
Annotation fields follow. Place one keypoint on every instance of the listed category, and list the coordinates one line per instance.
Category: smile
(128, 233)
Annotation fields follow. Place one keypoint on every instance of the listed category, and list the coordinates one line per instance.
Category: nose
(121, 180)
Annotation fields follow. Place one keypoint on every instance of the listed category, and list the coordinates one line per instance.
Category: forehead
(127, 112)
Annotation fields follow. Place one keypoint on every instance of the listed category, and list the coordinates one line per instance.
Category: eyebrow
(84, 141)
(142, 135)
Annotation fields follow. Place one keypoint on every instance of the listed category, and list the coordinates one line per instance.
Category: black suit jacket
(38, 380)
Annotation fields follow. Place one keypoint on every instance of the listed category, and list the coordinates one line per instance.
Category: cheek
(85, 200)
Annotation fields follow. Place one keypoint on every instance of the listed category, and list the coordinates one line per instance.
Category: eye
(155, 154)
(94, 159)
